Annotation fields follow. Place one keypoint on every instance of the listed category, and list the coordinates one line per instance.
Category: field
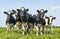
(15, 35)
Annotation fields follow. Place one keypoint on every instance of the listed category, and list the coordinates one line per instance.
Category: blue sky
(53, 7)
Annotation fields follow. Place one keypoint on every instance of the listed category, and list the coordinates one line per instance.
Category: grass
(15, 35)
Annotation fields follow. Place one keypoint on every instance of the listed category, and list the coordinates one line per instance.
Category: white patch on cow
(42, 10)
(9, 12)
(44, 17)
(36, 27)
(22, 9)
(50, 18)
(46, 20)
(23, 27)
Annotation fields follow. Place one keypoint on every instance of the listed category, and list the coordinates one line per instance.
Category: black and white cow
(48, 23)
(39, 20)
(29, 20)
(10, 21)
(22, 15)
(18, 19)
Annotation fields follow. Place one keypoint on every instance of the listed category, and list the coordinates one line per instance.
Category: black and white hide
(24, 17)
(51, 18)
(21, 18)
(30, 23)
(39, 20)
(10, 21)
(48, 23)
(18, 20)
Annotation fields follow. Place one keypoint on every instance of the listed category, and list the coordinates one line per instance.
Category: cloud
(2, 10)
(54, 8)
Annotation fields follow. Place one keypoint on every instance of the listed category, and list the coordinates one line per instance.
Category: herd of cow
(26, 23)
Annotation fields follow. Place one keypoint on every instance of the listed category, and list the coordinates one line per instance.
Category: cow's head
(23, 11)
(51, 19)
(17, 12)
(9, 14)
(42, 12)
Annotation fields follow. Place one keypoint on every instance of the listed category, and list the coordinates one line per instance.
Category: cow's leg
(37, 30)
(27, 28)
(23, 29)
(23, 33)
(17, 29)
(51, 29)
(12, 28)
(7, 28)
(41, 30)
(18, 25)
(37, 33)
(31, 27)
(45, 29)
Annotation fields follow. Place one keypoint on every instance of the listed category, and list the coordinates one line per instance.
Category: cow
(30, 23)
(48, 23)
(10, 21)
(18, 19)
(39, 21)
(23, 19)
(35, 29)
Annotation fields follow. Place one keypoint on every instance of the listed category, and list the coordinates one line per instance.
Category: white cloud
(54, 8)
(2, 10)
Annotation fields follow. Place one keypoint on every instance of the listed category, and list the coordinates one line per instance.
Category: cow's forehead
(22, 8)
(42, 10)
(9, 12)
(50, 17)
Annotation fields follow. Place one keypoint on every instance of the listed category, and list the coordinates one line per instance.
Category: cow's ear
(5, 12)
(18, 9)
(38, 11)
(27, 9)
(45, 11)
(54, 17)
(13, 11)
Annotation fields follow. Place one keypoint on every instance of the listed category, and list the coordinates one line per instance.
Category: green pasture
(15, 35)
